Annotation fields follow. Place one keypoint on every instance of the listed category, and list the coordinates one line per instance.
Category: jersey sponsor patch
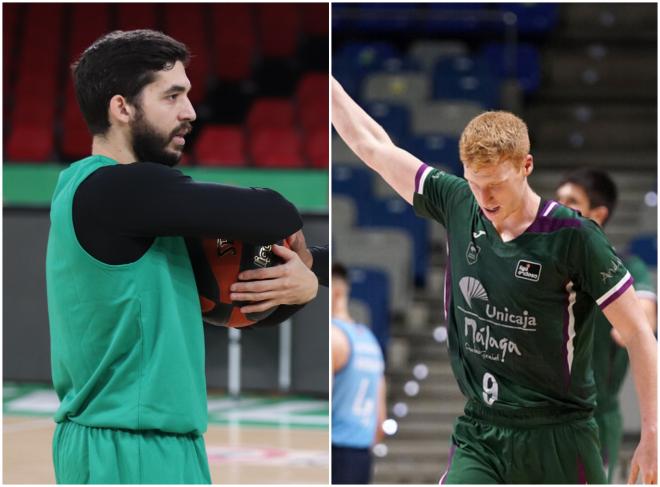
(530, 271)
(472, 253)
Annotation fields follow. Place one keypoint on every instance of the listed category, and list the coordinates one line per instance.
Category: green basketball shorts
(610, 429)
(85, 455)
(487, 452)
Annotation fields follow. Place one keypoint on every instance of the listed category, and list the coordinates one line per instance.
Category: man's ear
(120, 110)
(528, 165)
(600, 214)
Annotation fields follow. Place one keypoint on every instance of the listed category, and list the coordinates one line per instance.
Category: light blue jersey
(355, 389)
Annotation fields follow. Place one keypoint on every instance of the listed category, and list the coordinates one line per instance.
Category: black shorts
(351, 465)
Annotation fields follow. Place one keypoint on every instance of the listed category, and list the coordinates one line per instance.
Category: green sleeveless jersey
(127, 344)
(610, 359)
(521, 314)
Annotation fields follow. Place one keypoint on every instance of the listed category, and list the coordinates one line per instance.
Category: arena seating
(646, 247)
(244, 56)
(371, 286)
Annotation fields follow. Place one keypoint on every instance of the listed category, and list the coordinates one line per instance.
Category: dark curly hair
(121, 63)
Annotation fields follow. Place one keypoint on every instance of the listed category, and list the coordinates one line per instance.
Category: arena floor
(252, 440)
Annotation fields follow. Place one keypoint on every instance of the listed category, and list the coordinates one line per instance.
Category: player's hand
(299, 246)
(288, 283)
(644, 462)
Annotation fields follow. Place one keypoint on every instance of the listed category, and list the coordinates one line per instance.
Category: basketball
(216, 264)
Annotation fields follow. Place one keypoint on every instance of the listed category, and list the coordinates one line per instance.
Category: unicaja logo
(472, 289)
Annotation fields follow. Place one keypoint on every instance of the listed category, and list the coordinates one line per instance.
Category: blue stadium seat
(385, 17)
(341, 13)
(372, 287)
(484, 89)
(396, 213)
(436, 150)
(460, 21)
(395, 119)
(646, 248)
(527, 67)
(354, 182)
(461, 66)
(366, 56)
(357, 59)
(533, 18)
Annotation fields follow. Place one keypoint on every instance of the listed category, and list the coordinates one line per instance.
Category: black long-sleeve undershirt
(321, 255)
(119, 210)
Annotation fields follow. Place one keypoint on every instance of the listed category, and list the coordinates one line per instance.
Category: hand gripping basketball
(216, 264)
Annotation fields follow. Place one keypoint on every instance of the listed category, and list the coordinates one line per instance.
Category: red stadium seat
(234, 40)
(89, 21)
(43, 17)
(76, 141)
(221, 145)
(131, 16)
(10, 16)
(316, 148)
(185, 22)
(37, 68)
(279, 28)
(276, 147)
(314, 114)
(34, 111)
(315, 18)
(313, 86)
(270, 112)
(31, 143)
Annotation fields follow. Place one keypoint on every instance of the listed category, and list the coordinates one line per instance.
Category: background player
(358, 389)
(594, 194)
(521, 236)
(126, 331)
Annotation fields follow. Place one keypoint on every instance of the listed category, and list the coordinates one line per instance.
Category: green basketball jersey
(521, 314)
(610, 359)
(127, 344)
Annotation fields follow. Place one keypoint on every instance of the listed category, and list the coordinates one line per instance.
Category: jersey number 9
(490, 388)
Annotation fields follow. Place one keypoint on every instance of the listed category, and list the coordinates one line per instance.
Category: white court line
(33, 424)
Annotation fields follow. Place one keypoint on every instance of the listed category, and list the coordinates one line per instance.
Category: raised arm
(628, 319)
(372, 144)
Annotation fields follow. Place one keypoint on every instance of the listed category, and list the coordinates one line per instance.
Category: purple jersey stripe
(447, 284)
(568, 321)
(545, 208)
(622, 288)
(548, 224)
(451, 455)
(418, 177)
(582, 475)
(548, 207)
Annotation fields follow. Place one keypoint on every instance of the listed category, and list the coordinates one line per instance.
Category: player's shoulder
(437, 174)
(142, 174)
(568, 218)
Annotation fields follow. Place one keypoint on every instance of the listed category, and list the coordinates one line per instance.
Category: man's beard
(151, 146)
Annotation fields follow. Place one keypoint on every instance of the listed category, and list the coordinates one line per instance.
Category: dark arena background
(260, 89)
(583, 77)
